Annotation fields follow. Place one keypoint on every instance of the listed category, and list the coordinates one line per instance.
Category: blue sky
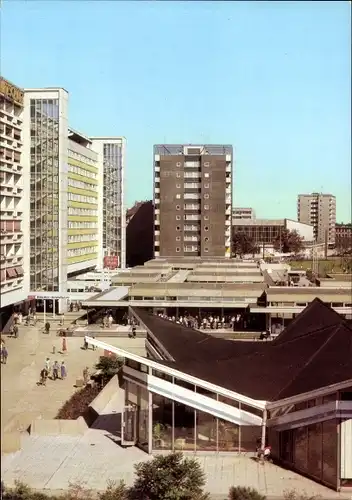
(271, 78)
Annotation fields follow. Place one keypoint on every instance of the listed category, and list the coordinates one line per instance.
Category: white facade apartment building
(319, 210)
(112, 155)
(14, 172)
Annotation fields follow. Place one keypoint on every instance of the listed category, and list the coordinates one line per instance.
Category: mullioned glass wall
(44, 194)
(175, 426)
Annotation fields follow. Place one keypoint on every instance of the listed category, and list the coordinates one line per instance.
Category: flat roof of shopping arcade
(212, 283)
(259, 298)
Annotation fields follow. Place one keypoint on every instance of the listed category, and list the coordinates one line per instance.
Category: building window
(206, 207)
(206, 174)
(206, 217)
(178, 249)
(206, 164)
(178, 207)
(206, 239)
(178, 174)
(206, 196)
(178, 164)
(178, 217)
(178, 196)
(206, 228)
(206, 185)
(178, 238)
(206, 249)
(178, 186)
(178, 228)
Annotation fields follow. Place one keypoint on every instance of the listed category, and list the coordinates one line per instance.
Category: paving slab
(22, 400)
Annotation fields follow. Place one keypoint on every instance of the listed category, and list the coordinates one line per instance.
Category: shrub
(170, 477)
(114, 491)
(244, 493)
(23, 492)
(78, 403)
(293, 495)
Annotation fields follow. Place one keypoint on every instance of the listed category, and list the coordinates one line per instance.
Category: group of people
(55, 370)
(208, 322)
(4, 352)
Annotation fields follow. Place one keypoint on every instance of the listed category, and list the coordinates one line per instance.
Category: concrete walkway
(22, 400)
(53, 462)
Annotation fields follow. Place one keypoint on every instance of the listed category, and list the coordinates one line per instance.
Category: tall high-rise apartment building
(14, 217)
(112, 152)
(192, 200)
(319, 210)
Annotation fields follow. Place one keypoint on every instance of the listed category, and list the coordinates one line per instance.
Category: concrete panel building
(84, 236)
(266, 231)
(242, 213)
(192, 200)
(112, 152)
(14, 172)
(319, 210)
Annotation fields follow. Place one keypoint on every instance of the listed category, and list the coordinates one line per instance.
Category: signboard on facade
(11, 92)
(111, 262)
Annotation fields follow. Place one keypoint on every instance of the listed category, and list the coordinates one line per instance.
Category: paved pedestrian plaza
(53, 462)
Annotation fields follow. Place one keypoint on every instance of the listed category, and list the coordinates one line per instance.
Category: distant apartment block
(192, 200)
(319, 210)
(266, 231)
(14, 170)
(111, 151)
(343, 236)
(242, 213)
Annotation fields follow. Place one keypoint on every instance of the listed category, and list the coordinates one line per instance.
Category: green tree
(109, 366)
(242, 244)
(245, 493)
(169, 477)
(288, 242)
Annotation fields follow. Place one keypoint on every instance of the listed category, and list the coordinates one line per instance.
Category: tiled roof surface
(314, 351)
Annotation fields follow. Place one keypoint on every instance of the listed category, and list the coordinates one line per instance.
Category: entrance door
(129, 425)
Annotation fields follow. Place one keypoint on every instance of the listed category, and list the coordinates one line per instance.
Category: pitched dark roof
(314, 317)
(188, 345)
(314, 351)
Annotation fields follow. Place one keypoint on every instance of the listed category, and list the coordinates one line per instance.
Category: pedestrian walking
(47, 364)
(4, 354)
(63, 371)
(15, 331)
(43, 376)
(85, 375)
(56, 368)
(64, 345)
(94, 347)
(85, 343)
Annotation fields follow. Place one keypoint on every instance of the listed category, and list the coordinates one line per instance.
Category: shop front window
(228, 436)
(250, 434)
(184, 431)
(330, 448)
(300, 448)
(206, 430)
(143, 418)
(315, 449)
(162, 422)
